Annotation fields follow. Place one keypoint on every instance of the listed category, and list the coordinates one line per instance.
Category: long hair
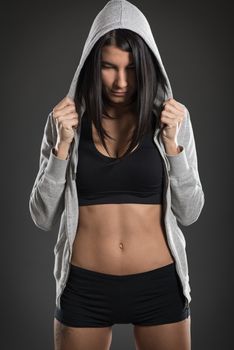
(148, 77)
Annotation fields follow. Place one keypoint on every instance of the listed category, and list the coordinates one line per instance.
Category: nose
(121, 79)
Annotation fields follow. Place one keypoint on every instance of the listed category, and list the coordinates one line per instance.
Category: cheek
(107, 78)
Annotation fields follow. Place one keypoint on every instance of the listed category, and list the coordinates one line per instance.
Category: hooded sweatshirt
(54, 194)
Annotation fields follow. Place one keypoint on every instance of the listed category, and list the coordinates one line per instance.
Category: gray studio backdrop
(40, 48)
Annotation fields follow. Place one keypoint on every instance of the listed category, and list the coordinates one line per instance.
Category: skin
(118, 75)
(119, 245)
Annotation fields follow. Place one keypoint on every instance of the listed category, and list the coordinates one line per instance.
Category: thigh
(81, 338)
(171, 336)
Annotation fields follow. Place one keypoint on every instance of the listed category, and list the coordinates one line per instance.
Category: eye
(104, 66)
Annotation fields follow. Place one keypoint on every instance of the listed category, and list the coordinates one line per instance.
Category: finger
(171, 108)
(63, 111)
(75, 124)
(172, 102)
(169, 120)
(69, 116)
(166, 101)
(66, 101)
(68, 124)
(169, 115)
(179, 106)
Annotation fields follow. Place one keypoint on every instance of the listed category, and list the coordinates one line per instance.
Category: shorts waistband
(146, 274)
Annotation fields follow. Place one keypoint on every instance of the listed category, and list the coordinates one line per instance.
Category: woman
(118, 167)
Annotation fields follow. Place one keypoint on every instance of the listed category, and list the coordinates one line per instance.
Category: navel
(121, 245)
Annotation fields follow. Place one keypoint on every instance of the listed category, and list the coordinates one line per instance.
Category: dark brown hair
(148, 76)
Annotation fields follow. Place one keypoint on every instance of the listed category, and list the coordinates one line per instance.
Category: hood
(121, 14)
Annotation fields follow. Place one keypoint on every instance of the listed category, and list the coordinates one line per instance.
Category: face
(118, 75)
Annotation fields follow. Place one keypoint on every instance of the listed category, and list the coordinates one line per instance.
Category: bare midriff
(120, 239)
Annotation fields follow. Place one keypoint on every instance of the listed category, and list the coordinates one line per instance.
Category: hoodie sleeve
(46, 201)
(187, 196)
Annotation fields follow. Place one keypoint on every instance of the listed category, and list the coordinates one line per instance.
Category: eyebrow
(113, 65)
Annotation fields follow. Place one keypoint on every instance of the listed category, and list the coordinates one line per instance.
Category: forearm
(187, 197)
(172, 149)
(46, 203)
(61, 150)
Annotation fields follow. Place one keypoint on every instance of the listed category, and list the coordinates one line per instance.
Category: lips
(119, 93)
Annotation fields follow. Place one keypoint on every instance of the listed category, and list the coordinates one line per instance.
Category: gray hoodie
(54, 193)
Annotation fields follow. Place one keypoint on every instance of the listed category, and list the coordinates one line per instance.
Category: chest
(138, 177)
(118, 141)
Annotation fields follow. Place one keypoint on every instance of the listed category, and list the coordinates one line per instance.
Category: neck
(118, 112)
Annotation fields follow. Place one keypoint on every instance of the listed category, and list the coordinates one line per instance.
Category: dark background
(41, 45)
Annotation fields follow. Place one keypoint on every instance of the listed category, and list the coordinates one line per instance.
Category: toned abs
(120, 238)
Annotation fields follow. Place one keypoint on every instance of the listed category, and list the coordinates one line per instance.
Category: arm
(61, 150)
(187, 196)
(46, 202)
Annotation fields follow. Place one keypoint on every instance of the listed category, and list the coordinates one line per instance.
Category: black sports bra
(102, 179)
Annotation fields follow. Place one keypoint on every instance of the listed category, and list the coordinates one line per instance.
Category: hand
(172, 116)
(66, 119)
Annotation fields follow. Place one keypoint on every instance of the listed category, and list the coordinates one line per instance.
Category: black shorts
(96, 299)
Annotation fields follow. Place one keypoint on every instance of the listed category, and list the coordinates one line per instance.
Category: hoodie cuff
(178, 163)
(56, 167)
